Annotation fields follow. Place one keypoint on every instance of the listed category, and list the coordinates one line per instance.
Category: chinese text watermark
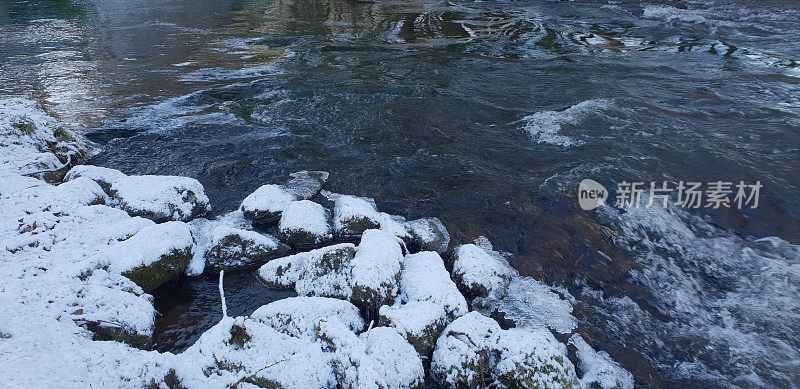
(684, 194)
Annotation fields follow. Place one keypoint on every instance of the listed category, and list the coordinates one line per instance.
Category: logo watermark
(684, 194)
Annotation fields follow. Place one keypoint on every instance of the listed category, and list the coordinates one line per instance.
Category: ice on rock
(481, 272)
(376, 270)
(353, 215)
(161, 198)
(598, 369)
(155, 255)
(305, 184)
(420, 322)
(304, 224)
(473, 349)
(101, 175)
(231, 248)
(266, 204)
(322, 272)
(424, 278)
(245, 351)
(299, 316)
(428, 234)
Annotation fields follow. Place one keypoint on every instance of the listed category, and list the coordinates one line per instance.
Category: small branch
(222, 294)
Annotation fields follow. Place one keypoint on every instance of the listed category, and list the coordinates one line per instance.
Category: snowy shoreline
(384, 301)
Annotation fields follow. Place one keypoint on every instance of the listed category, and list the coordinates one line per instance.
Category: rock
(160, 198)
(354, 215)
(474, 351)
(599, 370)
(152, 257)
(481, 273)
(266, 204)
(300, 316)
(242, 351)
(379, 358)
(376, 271)
(305, 184)
(231, 248)
(321, 272)
(101, 175)
(428, 234)
(424, 278)
(420, 323)
(304, 224)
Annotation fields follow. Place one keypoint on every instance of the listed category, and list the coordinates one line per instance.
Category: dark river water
(487, 115)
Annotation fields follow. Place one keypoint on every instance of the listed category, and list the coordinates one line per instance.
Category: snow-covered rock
(305, 184)
(300, 316)
(321, 272)
(103, 176)
(266, 204)
(598, 369)
(428, 234)
(424, 278)
(376, 270)
(152, 257)
(474, 351)
(420, 323)
(481, 272)
(244, 352)
(304, 224)
(353, 215)
(231, 248)
(160, 198)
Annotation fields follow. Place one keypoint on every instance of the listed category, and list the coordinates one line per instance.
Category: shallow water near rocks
(486, 115)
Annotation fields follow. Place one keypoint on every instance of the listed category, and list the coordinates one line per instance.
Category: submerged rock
(480, 272)
(353, 215)
(376, 271)
(231, 248)
(428, 234)
(266, 204)
(598, 369)
(305, 184)
(300, 316)
(304, 224)
(160, 198)
(101, 175)
(152, 257)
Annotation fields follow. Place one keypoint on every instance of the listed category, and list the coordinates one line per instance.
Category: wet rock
(160, 198)
(305, 184)
(152, 257)
(266, 204)
(101, 175)
(231, 248)
(376, 271)
(474, 351)
(428, 234)
(321, 272)
(598, 369)
(304, 225)
(299, 316)
(354, 215)
(420, 323)
(479, 272)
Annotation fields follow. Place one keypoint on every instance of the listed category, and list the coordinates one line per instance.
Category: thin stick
(222, 294)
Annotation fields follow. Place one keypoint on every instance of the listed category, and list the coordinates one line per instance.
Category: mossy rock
(166, 268)
(301, 239)
(24, 125)
(170, 381)
(356, 226)
(527, 377)
(234, 251)
(102, 331)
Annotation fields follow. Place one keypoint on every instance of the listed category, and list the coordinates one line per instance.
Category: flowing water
(487, 115)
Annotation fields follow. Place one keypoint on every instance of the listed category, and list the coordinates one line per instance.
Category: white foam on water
(544, 126)
(732, 303)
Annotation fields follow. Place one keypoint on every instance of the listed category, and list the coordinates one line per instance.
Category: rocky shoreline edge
(383, 302)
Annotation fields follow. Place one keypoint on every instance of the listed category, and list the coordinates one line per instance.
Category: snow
(481, 272)
(148, 246)
(545, 125)
(305, 184)
(376, 267)
(462, 351)
(420, 322)
(352, 215)
(533, 357)
(598, 369)
(161, 198)
(321, 272)
(233, 247)
(203, 231)
(424, 278)
(267, 202)
(299, 316)
(101, 175)
(430, 233)
(394, 358)
(304, 222)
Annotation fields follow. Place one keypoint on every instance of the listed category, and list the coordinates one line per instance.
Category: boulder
(424, 278)
(152, 257)
(353, 215)
(305, 184)
(266, 204)
(479, 272)
(598, 369)
(420, 323)
(231, 248)
(428, 234)
(321, 272)
(304, 224)
(465, 351)
(160, 198)
(376, 271)
(101, 175)
(299, 316)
